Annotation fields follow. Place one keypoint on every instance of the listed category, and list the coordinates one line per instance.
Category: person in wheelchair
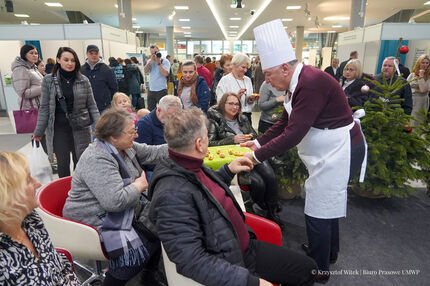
(228, 126)
(106, 194)
(27, 256)
(201, 225)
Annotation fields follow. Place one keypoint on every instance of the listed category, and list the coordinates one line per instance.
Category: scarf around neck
(187, 83)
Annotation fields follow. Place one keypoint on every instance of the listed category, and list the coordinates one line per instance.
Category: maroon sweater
(318, 101)
(194, 165)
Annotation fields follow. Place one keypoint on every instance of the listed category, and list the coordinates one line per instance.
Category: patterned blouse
(19, 266)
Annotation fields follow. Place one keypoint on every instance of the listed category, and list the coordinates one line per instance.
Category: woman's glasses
(237, 104)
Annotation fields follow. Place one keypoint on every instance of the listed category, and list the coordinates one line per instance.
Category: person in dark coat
(353, 83)
(119, 72)
(101, 76)
(227, 126)
(339, 72)
(332, 70)
(133, 81)
(201, 225)
(387, 71)
(50, 62)
(403, 70)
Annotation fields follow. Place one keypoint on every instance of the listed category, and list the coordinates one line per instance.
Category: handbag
(25, 119)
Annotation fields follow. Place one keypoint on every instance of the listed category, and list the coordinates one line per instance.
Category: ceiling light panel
(184, 20)
(235, 6)
(287, 19)
(293, 7)
(235, 19)
(233, 27)
(181, 8)
(53, 4)
(186, 27)
(22, 15)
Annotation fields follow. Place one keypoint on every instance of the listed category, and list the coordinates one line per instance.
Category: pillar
(358, 13)
(170, 41)
(300, 35)
(125, 15)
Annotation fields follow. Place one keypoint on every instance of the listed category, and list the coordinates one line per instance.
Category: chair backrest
(79, 239)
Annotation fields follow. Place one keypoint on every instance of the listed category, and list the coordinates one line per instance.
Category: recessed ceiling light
(234, 27)
(186, 27)
(136, 26)
(53, 4)
(22, 16)
(287, 19)
(187, 33)
(336, 18)
(184, 20)
(235, 5)
(116, 6)
(181, 8)
(139, 32)
(331, 31)
(293, 7)
(235, 19)
(336, 26)
(34, 24)
(134, 19)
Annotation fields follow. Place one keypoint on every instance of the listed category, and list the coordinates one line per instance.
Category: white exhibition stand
(367, 41)
(111, 42)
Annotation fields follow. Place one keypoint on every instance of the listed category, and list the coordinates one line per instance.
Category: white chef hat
(274, 46)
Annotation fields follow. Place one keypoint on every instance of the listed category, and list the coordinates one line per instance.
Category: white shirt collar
(295, 78)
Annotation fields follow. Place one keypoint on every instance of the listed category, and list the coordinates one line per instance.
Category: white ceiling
(151, 15)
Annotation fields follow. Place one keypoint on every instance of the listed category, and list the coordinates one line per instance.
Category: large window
(237, 46)
(226, 47)
(206, 47)
(217, 47)
(247, 47)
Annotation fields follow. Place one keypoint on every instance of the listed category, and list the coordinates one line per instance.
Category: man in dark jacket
(101, 76)
(388, 69)
(332, 70)
(201, 225)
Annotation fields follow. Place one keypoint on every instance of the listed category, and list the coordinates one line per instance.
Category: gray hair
(169, 101)
(391, 59)
(240, 58)
(189, 63)
(183, 128)
(112, 123)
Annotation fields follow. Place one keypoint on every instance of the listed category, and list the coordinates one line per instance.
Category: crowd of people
(156, 155)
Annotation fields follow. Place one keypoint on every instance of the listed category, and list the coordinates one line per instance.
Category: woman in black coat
(353, 83)
(228, 126)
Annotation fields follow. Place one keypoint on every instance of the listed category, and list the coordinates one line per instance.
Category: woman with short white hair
(237, 82)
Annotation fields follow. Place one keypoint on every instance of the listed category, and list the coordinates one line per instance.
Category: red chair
(83, 241)
(266, 230)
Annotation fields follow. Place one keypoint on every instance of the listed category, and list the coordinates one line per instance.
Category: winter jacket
(258, 78)
(26, 79)
(133, 79)
(220, 133)
(97, 186)
(119, 72)
(219, 73)
(83, 102)
(354, 94)
(202, 93)
(103, 83)
(405, 93)
(194, 228)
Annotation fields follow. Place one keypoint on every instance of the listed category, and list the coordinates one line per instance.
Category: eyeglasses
(349, 69)
(132, 133)
(233, 104)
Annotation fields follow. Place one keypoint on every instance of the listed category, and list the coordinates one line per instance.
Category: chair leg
(96, 275)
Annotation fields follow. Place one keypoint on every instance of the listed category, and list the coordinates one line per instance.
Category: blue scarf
(123, 245)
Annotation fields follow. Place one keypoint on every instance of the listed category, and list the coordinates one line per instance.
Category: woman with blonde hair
(27, 255)
(420, 85)
(121, 101)
(353, 83)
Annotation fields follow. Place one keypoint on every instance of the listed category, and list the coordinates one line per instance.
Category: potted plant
(395, 154)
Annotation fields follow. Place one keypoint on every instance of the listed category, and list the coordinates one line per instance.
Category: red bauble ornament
(404, 50)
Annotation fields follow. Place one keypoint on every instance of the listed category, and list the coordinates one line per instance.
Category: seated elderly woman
(106, 192)
(192, 88)
(27, 256)
(228, 126)
(353, 83)
(201, 225)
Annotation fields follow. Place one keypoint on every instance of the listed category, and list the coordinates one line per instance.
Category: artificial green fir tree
(395, 154)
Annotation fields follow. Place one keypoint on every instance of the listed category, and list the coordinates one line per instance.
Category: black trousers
(323, 234)
(263, 126)
(263, 189)
(63, 145)
(154, 97)
(278, 264)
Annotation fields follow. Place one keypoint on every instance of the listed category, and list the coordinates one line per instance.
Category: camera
(158, 54)
(252, 12)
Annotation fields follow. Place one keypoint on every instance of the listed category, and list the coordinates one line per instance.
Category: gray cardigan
(83, 100)
(97, 186)
(267, 102)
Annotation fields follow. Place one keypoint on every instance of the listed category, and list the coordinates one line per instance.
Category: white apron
(327, 154)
